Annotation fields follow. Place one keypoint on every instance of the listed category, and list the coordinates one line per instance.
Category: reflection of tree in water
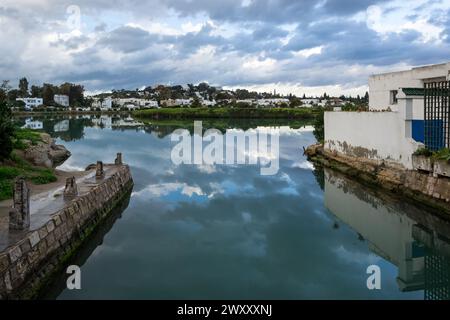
(319, 174)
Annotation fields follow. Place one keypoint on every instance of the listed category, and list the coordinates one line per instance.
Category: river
(228, 232)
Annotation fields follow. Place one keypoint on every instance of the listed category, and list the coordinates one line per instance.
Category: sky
(291, 46)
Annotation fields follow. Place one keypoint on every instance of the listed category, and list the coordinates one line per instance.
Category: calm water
(226, 232)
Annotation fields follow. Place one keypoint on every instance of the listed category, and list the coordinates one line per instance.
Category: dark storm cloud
(118, 46)
(127, 39)
(274, 11)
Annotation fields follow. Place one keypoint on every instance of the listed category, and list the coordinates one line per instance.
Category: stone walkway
(44, 204)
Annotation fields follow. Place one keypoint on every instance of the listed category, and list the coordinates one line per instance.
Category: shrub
(443, 154)
(6, 131)
(423, 152)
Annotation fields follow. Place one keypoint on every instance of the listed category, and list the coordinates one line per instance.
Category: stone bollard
(118, 160)
(99, 172)
(71, 189)
(19, 216)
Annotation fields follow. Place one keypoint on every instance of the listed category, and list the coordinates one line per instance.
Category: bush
(6, 131)
(443, 154)
(423, 152)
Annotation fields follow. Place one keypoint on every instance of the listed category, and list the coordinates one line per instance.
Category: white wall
(372, 135)
(62, 100)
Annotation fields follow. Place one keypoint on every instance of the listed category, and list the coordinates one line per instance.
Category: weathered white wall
(371, 135)
(381, 85)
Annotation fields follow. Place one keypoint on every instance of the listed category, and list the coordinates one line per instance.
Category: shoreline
(419, 188)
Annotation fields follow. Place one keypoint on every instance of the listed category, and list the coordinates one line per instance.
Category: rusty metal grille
(437, 115)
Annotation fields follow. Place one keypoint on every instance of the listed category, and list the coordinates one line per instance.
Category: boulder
(46, 153)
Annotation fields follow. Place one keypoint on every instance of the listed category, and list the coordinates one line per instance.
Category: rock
(58, 154)
(46, 153)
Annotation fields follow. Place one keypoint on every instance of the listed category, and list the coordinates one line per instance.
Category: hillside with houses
(73, 97)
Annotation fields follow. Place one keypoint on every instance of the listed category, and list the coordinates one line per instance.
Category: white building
(208, 103)
(183, 102)
(384, 88)
(134, 103)
(391, 136)
(274, 102)
(177, 102)
(61, 99)
(102, 103)
(310, 101)
(31, 103)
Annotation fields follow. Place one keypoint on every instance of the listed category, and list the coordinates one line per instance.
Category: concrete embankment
(420, 187)
(60, 221)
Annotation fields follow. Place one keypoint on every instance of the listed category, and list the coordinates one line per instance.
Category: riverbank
(420, 188)
(227, 113)
(59, 226)
(34, 157)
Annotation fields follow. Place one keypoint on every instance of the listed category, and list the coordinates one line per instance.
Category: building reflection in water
(409, 237)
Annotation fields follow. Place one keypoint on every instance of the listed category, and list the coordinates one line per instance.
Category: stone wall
(381, 136)
(27, 266)
(420, 187)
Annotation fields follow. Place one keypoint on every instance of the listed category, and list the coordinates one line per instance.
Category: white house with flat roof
(61, 99)
(102, 103)
(394, 127)
(31, 103)
(384, 88)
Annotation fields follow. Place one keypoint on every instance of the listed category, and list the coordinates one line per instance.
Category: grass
(22, 136)
(231, 113)
(15, 166)
(19, 167)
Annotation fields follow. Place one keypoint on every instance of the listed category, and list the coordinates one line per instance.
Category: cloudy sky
(298, 46)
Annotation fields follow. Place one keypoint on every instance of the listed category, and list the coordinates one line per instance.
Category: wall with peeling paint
(379, 136)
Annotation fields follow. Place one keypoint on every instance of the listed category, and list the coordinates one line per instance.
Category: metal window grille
(437, 115)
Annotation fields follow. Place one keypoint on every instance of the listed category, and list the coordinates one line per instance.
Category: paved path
(43, 204)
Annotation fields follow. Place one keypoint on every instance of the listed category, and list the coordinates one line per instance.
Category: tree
(48, 93)
(75, 92)
(366, 97)
(6, 131)
(295, 102)
(23, 87)
(13, 95)
(4, 89)
(196, 103)
(36, 91)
